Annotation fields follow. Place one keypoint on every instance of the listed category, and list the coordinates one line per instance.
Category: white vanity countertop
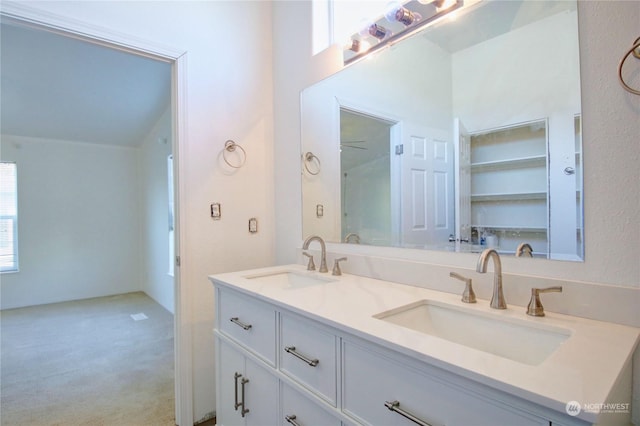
(584, 368)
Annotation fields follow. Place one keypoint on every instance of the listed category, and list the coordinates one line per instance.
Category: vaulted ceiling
(58, 87)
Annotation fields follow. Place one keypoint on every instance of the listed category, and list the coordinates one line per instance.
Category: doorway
(365, 178)
(175, 61)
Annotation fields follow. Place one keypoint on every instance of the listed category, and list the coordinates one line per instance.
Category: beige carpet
(88, 363)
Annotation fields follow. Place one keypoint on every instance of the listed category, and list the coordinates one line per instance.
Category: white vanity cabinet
(286, 368)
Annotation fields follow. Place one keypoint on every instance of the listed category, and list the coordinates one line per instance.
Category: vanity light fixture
(410, 17)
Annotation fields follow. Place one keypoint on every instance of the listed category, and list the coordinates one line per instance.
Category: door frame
(395, 138)
(28, 16)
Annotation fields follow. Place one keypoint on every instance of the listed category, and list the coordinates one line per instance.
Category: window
(334, 21)
(321, 25)
(8, 217)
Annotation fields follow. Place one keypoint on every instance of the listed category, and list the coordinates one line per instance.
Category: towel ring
(635, 51)
(230, 146)
(310, 158)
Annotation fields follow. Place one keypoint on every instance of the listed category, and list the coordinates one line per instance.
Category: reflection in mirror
(464, 136)
(365, 178)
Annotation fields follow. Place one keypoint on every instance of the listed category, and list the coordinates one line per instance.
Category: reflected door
(463, 182)
(427, 187)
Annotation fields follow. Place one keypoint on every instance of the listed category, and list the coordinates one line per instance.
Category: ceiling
(63, 88)
(476, 24)
(363, 139)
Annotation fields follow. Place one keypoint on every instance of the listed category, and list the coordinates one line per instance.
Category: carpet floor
(93, 362)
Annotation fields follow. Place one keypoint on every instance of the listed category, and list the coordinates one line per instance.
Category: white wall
(92, 221)
(367, 201)
(229, 96)
(154, 213)
(78, 221)
(538, 78)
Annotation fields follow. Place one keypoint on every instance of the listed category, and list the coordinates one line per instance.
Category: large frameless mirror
(464, 136)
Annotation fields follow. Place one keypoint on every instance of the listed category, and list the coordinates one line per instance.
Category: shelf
(513, 163)
(516, 228)
(509, 196)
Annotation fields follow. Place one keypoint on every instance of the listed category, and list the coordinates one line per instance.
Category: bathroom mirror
(464, 136)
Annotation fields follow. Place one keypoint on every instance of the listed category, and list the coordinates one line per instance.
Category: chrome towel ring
(635, 51)
(311, 163)
(230, 146)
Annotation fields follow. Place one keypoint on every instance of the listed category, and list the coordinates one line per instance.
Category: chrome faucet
(497, 299)
(351, 235)
(524, 249)
(323, 254)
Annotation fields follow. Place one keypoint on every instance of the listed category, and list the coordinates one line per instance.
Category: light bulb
(441, 4)
(378, 31)
(396, 12)
(390, 12)
(357, 46)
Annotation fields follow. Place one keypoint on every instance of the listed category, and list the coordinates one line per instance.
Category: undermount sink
(291, 279)
(510, 338)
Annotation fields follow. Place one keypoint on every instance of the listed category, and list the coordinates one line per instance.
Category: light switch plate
(216, 213)
(253, 225)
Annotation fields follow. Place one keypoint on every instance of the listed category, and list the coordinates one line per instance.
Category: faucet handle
(311, 266)
(336, 266)
(468, 296)
(535, 308)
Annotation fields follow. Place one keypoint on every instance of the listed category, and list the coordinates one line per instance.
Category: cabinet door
(261, 395)
(371, 380)
(230, 362)
(302, 410)
(244, 385)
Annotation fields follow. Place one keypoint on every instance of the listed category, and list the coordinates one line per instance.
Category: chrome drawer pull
(292, 351)
(242, 383)
(237, 404)
(235, 385)
(395, 407)
(235, 320)
(292, 419)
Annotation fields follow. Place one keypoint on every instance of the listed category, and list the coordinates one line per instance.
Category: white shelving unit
(509, 185)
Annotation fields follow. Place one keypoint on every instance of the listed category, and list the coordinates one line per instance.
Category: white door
(462, 142)
(427, 187)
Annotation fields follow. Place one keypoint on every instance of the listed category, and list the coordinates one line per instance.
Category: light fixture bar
(396, 37)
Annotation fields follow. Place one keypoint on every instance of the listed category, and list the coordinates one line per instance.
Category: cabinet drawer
(303, 411)
(308, 355)
(371, 379)
(248, 321)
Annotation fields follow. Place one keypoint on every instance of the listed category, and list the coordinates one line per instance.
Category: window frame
(14, 266)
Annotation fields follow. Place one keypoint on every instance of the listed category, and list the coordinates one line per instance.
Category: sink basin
(509, 338)
(291, 279)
